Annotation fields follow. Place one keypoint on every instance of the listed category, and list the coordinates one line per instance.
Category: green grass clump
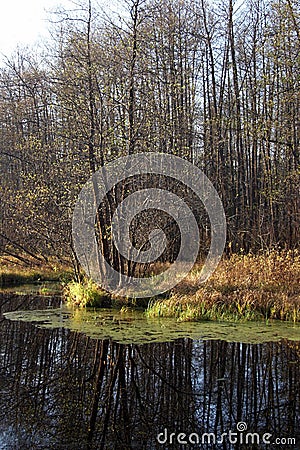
(86, 294)
(225, 308)
(192, 309)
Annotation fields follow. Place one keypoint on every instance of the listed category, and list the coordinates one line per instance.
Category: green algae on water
(134, 327)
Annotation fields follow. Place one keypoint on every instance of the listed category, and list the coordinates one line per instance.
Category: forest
(215, 83)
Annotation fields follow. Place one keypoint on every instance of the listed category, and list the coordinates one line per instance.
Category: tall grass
(244, 287)
(13, 273)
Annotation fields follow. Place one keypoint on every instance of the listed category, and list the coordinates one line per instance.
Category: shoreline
(243, 288)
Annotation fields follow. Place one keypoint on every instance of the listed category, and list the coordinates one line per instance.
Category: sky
(23, 22)
(26, 22)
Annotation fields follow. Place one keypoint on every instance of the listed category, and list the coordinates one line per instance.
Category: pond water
(111, 380)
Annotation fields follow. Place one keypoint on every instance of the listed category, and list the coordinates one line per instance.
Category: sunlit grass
(244, 287)
(13, 273)
(86, 294)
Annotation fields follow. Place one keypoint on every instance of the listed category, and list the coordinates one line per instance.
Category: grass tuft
(86, 294)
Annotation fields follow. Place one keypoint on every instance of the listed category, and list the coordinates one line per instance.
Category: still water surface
(106, 380)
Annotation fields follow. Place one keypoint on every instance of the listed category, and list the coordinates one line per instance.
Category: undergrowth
(13, 273)
(243, 287)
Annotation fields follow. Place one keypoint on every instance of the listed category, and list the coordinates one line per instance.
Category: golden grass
(14, 272)
(244, 287)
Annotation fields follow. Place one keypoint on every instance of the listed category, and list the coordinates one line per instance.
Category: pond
(114, 380)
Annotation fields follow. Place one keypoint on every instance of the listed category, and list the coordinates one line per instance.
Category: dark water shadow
(61, 389)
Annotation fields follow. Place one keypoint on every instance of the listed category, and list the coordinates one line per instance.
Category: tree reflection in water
(64, 390)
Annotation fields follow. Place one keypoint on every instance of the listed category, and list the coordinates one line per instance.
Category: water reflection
(63, 390)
